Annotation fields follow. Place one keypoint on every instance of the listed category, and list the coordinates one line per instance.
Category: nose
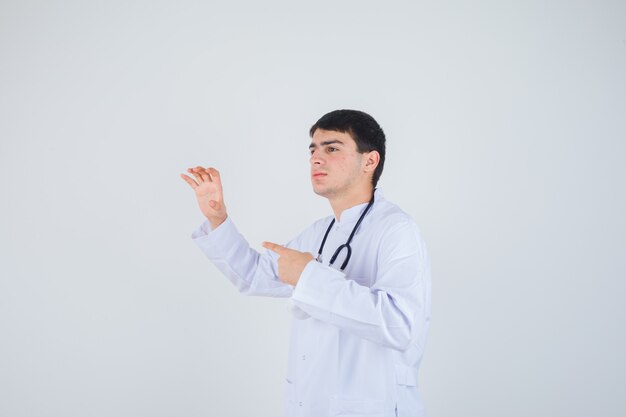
(316, 158)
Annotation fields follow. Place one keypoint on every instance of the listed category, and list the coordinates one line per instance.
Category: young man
(359, 280)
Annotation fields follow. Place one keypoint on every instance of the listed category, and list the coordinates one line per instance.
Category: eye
(332, 149)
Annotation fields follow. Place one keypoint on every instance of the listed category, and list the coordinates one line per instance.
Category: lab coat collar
(351, 215)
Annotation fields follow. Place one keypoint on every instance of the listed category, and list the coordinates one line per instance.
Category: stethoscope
(345, 245)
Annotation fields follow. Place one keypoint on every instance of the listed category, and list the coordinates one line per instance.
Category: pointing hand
(291, 262)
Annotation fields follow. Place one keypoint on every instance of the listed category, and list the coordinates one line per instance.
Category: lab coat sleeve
(252, 273)
(393, 312)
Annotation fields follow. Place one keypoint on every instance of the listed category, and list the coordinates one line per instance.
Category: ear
(371, 160)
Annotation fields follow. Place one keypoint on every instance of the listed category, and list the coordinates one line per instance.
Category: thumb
(216, 205)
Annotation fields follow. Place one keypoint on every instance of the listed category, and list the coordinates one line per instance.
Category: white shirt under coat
(357, 336)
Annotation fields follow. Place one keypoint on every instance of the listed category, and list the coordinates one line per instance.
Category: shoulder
(396, 227)
(392, 217)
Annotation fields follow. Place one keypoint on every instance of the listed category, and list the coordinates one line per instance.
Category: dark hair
(363, 129)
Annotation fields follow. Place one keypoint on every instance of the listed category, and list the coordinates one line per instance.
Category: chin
(321, 191)
(318, 192)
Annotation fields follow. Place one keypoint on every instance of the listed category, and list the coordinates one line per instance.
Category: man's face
(336, 165)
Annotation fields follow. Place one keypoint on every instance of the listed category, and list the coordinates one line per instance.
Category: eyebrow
(327, 142)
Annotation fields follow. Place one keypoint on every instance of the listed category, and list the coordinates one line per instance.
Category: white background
(506, 142)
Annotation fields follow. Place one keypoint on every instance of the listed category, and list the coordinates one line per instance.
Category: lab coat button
(300, 404)
(303, 357)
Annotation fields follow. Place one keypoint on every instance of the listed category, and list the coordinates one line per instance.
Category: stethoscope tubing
(345, 245)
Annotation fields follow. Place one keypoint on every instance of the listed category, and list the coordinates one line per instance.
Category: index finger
(274, 247)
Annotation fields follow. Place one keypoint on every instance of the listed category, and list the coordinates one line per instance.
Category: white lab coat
(357, 336)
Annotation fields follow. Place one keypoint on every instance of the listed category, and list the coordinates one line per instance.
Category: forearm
(388, 315)
(250, 272)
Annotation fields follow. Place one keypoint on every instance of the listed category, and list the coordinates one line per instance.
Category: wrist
(216, 221)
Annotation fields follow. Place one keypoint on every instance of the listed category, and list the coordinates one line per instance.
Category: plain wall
(506, 142)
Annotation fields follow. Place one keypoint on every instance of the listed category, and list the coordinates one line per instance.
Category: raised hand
(208, 189)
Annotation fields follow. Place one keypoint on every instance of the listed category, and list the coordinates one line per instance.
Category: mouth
(318, 174)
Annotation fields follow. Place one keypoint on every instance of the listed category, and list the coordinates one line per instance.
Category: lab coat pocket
(361, 408)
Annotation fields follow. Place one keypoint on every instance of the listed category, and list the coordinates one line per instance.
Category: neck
(346, 200)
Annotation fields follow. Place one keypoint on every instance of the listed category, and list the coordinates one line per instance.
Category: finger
(274, 247)
(196, 174)
(189, 181)
(201, 171)
(215, 176)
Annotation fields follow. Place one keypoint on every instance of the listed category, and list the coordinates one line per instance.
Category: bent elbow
(398, 327)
